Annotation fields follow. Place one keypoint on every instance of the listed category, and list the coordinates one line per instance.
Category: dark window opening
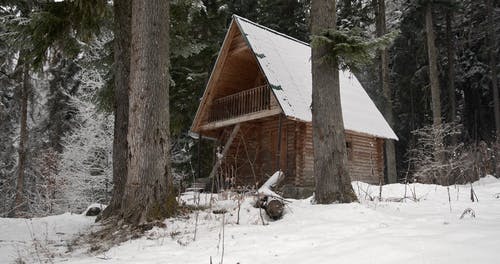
(349, 150)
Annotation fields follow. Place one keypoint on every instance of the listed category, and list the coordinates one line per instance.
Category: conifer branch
(350, 48)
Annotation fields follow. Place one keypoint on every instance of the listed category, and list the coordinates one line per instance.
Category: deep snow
(424, 231)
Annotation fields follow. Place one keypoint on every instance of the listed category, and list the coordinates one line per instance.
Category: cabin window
(348, 146)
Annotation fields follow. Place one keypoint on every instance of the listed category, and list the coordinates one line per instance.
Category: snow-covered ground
(37, 239)
(392, 231)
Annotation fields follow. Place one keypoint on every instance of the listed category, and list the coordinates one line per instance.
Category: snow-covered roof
(286, 63)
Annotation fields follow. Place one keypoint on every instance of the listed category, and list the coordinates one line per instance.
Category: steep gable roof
(286, 63)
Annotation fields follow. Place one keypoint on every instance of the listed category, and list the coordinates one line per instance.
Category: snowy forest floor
(390, 231)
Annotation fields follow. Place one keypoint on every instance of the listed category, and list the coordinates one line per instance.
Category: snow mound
(488, 179)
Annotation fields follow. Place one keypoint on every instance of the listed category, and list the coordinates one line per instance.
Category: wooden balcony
(242, 103)
(246, 105)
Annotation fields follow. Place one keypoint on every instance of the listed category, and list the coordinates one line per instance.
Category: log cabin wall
(256, 145)
(305, 157)
(365, 158)
(367, 161)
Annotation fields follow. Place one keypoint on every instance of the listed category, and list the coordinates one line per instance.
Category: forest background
(64, 93)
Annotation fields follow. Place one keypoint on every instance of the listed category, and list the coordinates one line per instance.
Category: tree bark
(390, 150)
(122, 16)
(494, 79)
(148, 193)
(434, 81)
(451, 71)
(23, 140)
(333, 183)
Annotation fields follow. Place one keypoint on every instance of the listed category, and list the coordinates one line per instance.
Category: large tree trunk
(148, 191)
(390, 150)
(494, 79)
(23, 140)
(434, 81)
(452, 112)
(333, 183)
(123, 13)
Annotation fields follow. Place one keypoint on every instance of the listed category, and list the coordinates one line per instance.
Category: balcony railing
(245, 102)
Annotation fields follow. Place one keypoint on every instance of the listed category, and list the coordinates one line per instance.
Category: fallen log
(271, 183)
(270, 201)
(274, 208)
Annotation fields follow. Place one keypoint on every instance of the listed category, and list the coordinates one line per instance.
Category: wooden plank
(240, 119)
(237, 41)
(238, 49)
(225, 150)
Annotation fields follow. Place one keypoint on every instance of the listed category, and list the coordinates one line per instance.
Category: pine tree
(19, 204)
(434, 79)
(390, 151)
(494, 79)
(333, 183)
(23, 74)
(148, 193)
(450, 47)
(122, 32)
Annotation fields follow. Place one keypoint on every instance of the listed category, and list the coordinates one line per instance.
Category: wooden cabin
(257, 106)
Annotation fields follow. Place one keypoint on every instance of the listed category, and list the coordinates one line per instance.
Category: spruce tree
(434, 81)
(148, 193)
(333, 183)
(122, 32)
(494, 79)
(390, 150)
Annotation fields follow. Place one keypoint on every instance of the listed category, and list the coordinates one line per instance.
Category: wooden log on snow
(271, 202)
(274, 208)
